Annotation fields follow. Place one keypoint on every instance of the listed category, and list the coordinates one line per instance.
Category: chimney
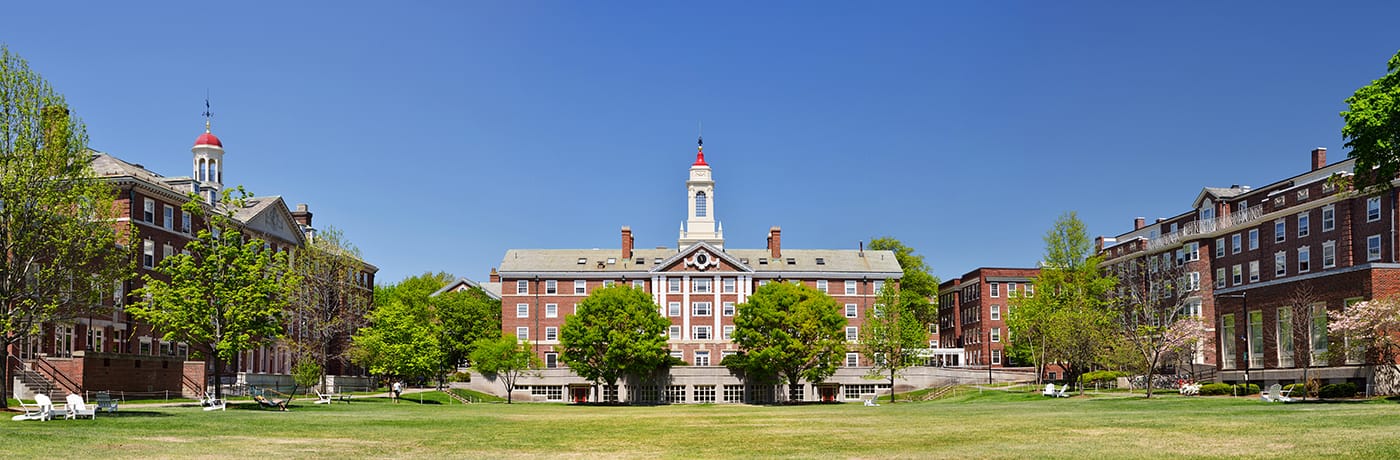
(775, 242)
(302, 216)
(1098, 244)
(1319, 158)
(1139, 222)
(494, 277)
(626, 242)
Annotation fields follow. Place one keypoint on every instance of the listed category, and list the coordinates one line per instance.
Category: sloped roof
(759, 260)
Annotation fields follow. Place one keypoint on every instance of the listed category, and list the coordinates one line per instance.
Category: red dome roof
(208, 139)
(700, 157)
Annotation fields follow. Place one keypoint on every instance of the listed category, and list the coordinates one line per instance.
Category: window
(1354, 354)
(551, 310)
(728, 332)
(673, 309)
(551, 360)
(1236, 275)
(852, 360)
(1253, 239)
(1280, 263)
(729, 285)
(609, 283)
(1304, 259)
(821, 286)
(1193, 279)
(879, 284)
(1280, 235)
(1253, 271)
(729, 309)
(522, 333)
(1329, 218)
(1303, 226)
(1180, 257)
(1373, 209)
(762, 283)
(1329, 254)
(996, 289)
(522, 287)
(166, 251)
(1235, 244)
(996, 356)
(1318, 334)
(701, 333)
(700, 308)
(675, 332)
(580, 287)
(1193, 252)
(733, 393)
(850, 287)
(1219, 278)
(184, 222)
(1030, 291)
(852, 333)
(699, 204)
(996, 312)
(1227, 341)
(1283, 332)
(1373, 248)
(1219, 247)
(673, 285)
(148, 253)
(1011, 290)
(149, 211)
(639, 284)
(996, 335)
(700, 285)
(551, 333)
(169, 222)
(522, 310)
(850, 310)
(551, 287)
(702, 358)
(1256, 339)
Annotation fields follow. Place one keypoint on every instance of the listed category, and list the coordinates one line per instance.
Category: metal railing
(1201, 227)
(45, 367)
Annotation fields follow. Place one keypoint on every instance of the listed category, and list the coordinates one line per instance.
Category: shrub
(1338, 390)
(1101, 376)
(459, 377)
(1215, 389)
(1243, 390)
(1295, 389)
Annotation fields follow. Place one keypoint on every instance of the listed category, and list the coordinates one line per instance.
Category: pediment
(701, 258)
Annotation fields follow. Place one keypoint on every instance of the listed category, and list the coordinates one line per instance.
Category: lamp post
(1244, 308)
(989, 356)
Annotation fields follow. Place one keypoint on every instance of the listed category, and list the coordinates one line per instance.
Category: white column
(718, 286)
(658, 292)
(685, 307)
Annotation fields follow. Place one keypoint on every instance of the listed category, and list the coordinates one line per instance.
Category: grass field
(968, 425)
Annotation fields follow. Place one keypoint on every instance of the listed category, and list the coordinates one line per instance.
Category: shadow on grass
(134, 413)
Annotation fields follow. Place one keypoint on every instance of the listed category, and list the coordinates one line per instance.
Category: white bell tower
(701, 224)
(208, 161)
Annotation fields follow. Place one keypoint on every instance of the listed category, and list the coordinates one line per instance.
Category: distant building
(972, 313)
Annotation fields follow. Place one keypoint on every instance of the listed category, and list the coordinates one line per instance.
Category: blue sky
(438, 135)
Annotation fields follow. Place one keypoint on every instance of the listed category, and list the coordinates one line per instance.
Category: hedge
(1338, 390)
(1101, 376)
(1215, 389)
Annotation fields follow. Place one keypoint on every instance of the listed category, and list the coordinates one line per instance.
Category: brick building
(696, 285)
(114, 351)
(972, 313)
(1256, 258)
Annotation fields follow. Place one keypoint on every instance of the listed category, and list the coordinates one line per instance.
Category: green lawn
(968, 424)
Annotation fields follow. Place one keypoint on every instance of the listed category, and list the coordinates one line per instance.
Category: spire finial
(700, 148)
(207, 114)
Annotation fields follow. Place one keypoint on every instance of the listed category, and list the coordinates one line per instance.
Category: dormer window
(641, 261)
(656, 261)
(612, 260)
(582, 260)
(791, 261)
(821, 261)
(763, 261)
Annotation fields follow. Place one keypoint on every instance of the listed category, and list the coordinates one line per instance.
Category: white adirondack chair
(79, 408)
(42, 409)
(1049, 390)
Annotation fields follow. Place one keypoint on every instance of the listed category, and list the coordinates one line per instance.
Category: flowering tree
(1372, 328)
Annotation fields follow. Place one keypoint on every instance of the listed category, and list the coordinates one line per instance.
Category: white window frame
(821, 286)
(169, 218)
(581, 287)
(852, 333)
(702, 333)
(522, 287)
(185, 222)
(701, 286)
(1253, 271)
(522, 310)
(1235, 246)
(674, 332)
(1373, 209)
(149, 211)
(1220, 247)
(728, 332)
(996, 312)
(1280, 264)
(702, 358)
(673, 309)
(851, 310)
(1253, 239)
(850, 287)
(551, 287)
(1373, 248)
(1304, 224)
(551, 360)
(1193, 281)
(1237, 275)
(1193, 251)
(701, 309)
(994, 288)
(551, 310)
(1305, 259)
(1329, 254)
(673, 285)
(1220, 278)
(1329, 218)
(728, 309)
(551, 333)
(996, 335)
(148, 253)
(522, 333)
(1280, 230)
(852, 359)
(729, 285)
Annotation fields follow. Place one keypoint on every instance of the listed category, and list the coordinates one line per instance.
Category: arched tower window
(699, 204)
(214, 170)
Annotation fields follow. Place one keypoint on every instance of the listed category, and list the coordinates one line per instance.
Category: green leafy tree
(1372, 128)
(1068, 318)
(413, 290)
(306, 373)
(464, 319)
(616, 333)
(1151, 309)
(790, 331)
(59, 252)
(331, 305)
(892, 336)
(226, 295)
(504, 358)
(918, 289)
(401, 341)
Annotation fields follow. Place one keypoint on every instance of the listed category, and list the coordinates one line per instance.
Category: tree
(331, 305)
(1371, 329)
(400, 341)
(465, 318)
(891, 336)
(59, 252)
(918, 287)
(413, 290)
(1372, 128)
(306, 373)
(791, 331)
(505, 358)
(617, 332)
(227, 294)
(1309, 323)
(1155, 307)
(1068, 316)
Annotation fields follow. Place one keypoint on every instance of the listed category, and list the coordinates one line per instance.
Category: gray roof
(492, 290)
(803, 260)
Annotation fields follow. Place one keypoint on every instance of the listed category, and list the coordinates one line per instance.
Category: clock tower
(701, 224)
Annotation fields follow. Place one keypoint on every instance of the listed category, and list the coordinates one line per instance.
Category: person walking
(398, 389)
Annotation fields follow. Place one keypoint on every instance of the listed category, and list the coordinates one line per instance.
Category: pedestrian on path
(398, 389)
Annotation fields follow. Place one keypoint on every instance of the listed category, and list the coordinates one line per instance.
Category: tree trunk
(218, 389)
(5, 376)
(1151, 368)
